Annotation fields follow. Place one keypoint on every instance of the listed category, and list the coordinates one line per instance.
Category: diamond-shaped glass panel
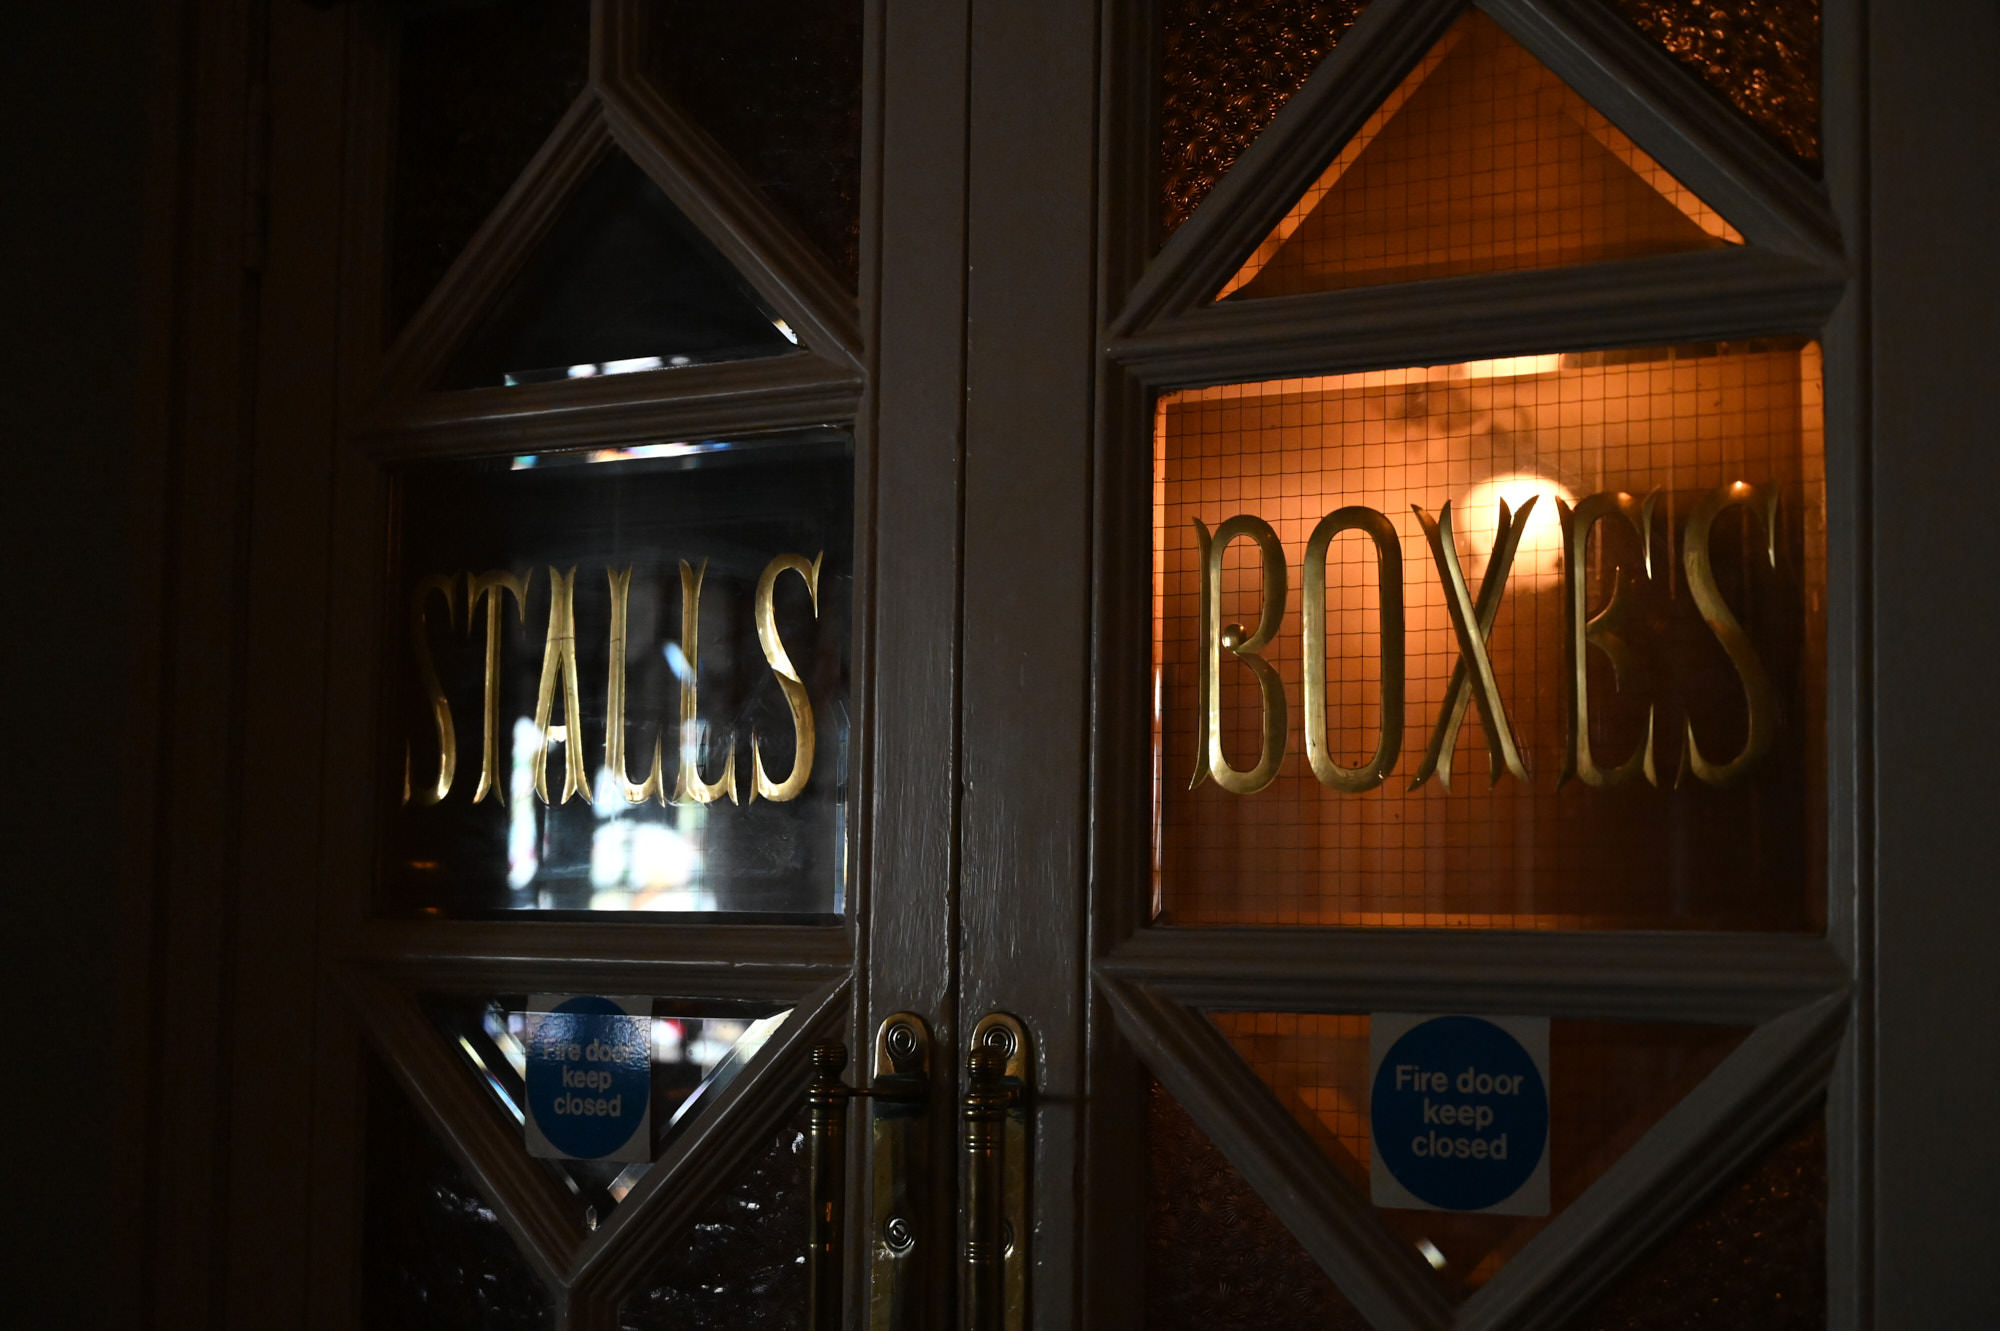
(434, 1253)
(1608, 1083)
(623, 282)
(697, 1047)
(1764, 58)
(479, 87)
(777, 83)
(1217, 1259)
(1481, 161)
(1225, 73)
(742, 1262)
(1753, 1255)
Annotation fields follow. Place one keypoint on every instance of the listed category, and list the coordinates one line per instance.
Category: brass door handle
(900, 1088)
(995, 1267)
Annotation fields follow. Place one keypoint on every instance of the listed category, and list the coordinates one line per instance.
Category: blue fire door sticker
(1459, 1113)
(590, 1078)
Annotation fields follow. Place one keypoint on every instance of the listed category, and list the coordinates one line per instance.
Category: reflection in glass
(722, 572)
(1608, 1083)
(435, 1256)
(741, 1264)
(1480, 161)
(698, 1047)
(1217, 1259)
(623, 279)
(1695, 797)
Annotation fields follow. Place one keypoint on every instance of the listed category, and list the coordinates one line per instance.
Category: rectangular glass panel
(623, 682)
(1664, 601)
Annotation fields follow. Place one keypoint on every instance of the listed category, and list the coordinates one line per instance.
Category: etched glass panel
(622, 283)
(1217, 1259)
(434, 1255)
(1764, 58)
(624, 681)
(777, 83)
(479, 87)
(696, 1047)
(1225, 73)
(1621, 727)
(1608, 1083)
(1481, 161)
(741, 1265)
(1753, 1255)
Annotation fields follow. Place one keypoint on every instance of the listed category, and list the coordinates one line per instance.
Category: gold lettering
(1758, 695)
(1473, 624)
(688, 784)
(1209, 759)
(445, 585)
(559, 660)
(1603, 630)
(492, 588)
(1389, 579)
(614, 704)
(788, 680)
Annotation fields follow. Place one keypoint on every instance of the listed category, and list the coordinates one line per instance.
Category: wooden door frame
(229, 633)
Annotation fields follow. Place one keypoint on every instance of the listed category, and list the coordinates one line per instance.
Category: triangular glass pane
(1217, 1259)
(698, 1046)
(479, 86)
(742, 1262)
(1225, 73)
(1481, 161)
(434, 1254)
(1608, 1083)
(1753, 1255)
(1763, 58)
(777, 83)
(622, 282)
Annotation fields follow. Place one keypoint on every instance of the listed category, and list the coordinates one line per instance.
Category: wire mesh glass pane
(1608, 1083)
(1481, 161)
(1611, 723)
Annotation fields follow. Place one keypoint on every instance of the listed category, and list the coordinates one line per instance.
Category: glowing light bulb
(1538, 561)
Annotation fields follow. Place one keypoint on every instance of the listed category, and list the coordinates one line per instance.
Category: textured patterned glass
(1226, 71)
(435, 1257)
(1753, 1255)
(777, 83)
(622, 283)
(480, 87)
(624, 680)
(1610, 719)
(741, 1265)
(1608, 1083)
(1480, 161)
(1762, 55)
(1216, 1258)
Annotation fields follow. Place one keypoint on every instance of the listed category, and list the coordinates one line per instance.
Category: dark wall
(74, 85)
(1935, 112)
